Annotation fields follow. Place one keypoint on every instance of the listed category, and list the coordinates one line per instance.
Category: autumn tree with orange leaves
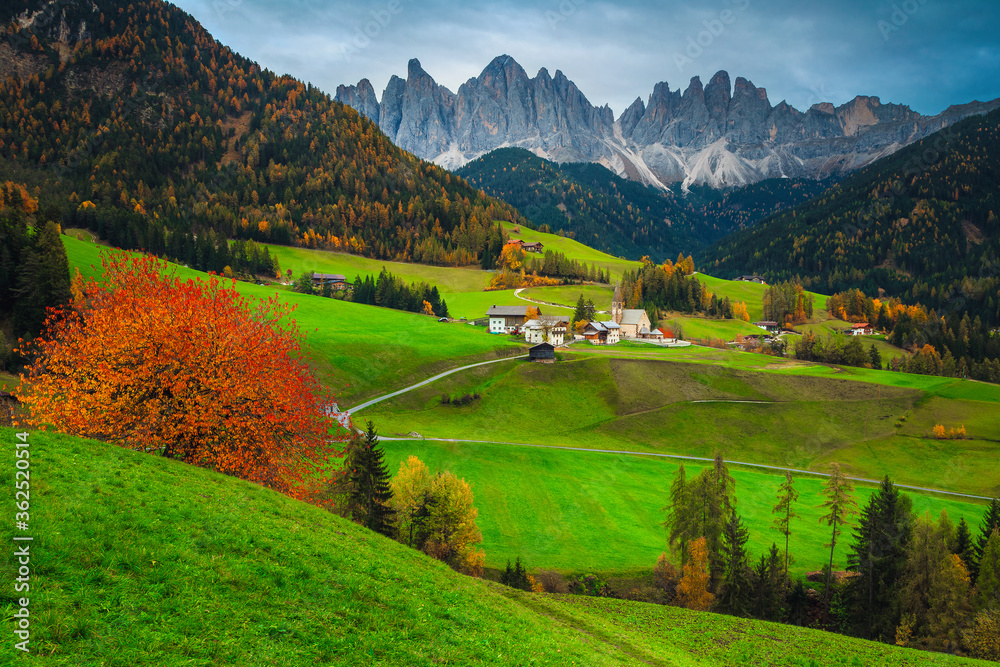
(188, 370)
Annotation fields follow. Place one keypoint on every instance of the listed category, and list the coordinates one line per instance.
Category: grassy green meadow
(579, 511)
(139, 560)
(788, 414)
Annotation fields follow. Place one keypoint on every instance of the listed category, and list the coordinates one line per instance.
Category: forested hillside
(726, 211)
(624, 217)
(599, 209)
(130, 119)
(920, 224)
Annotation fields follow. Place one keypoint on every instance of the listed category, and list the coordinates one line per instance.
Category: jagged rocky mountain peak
(724, 133)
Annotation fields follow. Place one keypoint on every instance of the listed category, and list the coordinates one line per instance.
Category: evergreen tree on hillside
(878, 555)
(988, 584)
(370, 492)
(737, 589)
(43, 280)
(991, 522)
(964, 545)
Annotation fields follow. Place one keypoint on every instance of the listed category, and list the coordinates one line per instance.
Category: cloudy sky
(924, 53)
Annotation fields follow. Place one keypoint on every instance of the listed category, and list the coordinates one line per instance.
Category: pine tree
(580, 313)
(43, 280)
(991, 522)
(735, 593)
(769, 585)
(964, 547)
(988, 585)
(787, 494)
(370, 492)
(878, 555)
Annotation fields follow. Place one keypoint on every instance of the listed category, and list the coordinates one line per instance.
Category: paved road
(685, 458)
(517, 293)
(428, 381)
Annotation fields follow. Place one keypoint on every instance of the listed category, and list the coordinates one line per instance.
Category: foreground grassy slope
(359, 350)
(579, 511)
(141, 560)
(788, 414)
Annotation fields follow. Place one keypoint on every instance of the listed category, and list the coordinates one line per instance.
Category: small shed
(544, 353)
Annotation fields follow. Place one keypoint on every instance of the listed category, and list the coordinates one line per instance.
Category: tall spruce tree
(370, 492)
(736, 591)
(878, 555)
(769, 586)
(991, 522)
(43, 280)
(988, 585)
(965, 547)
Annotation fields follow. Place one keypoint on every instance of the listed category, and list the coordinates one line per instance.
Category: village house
(630, 320)
(546, 329)
(507, 319)
(860, 329)
(768, 326)
(602, 333)
(543, 353)
(335, 280)
(751, 279)
(534, 246)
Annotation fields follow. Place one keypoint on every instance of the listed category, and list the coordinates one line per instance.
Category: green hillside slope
(915, 224)
(138, 560)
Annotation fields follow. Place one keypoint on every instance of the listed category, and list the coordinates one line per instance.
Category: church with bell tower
(634, 322)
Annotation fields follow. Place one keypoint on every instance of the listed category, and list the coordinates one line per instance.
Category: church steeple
(617, 304)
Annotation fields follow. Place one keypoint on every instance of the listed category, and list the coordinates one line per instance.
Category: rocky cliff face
(723, 134)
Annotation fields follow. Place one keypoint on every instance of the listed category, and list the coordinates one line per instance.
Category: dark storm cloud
(925, 53)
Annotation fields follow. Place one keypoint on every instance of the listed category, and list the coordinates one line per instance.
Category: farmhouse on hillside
(751, 279)
(546, 329)
(506, 319)
(335, 280)
(768, 326)
(860, 329)
(631, 320)
(534, 246)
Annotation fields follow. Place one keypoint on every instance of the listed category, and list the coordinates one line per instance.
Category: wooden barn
(544, 353)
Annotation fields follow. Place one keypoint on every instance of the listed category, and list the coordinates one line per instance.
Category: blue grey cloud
(925, 53)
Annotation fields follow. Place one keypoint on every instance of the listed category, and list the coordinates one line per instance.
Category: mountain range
(722, 134)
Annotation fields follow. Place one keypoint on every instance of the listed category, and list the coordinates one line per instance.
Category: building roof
(633, 316)
(766, 324)
(329, 276)
(533, 244)
(507, 311)
(860, 325)
(542, 346)
(617, 298)
(545, 320)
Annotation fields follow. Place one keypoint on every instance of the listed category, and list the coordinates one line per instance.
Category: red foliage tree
(190, 370)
